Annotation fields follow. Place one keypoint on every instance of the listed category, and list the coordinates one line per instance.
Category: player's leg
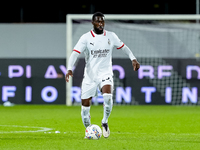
(106, 89)
(87, 92)
(85, 111)
(108, 102)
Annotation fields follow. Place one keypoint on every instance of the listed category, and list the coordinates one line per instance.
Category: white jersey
(98, 53)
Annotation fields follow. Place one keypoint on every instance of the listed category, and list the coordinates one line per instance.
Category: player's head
(98, 21)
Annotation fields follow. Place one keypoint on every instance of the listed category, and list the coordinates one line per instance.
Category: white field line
(37, 129)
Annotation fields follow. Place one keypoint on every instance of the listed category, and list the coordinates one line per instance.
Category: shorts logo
(107, 79)
(92, 43)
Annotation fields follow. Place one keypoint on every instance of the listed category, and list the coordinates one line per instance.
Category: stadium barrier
(159, 81)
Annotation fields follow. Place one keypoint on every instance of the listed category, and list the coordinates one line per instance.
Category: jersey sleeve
(117, 42)
(80, 45)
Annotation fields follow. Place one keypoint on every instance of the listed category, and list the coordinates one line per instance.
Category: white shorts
(90, 89)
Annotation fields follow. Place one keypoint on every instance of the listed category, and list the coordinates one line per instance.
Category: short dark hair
(97, 14)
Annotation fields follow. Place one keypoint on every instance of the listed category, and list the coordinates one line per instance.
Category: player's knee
(86, 102)
(107, 98)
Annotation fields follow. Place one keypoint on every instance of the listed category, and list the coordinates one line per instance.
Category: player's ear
(92, 22)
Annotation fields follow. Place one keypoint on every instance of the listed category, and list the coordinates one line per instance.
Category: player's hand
(69, 73)
(136, 65)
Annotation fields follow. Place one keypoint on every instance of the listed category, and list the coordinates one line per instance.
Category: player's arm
(135, 63)
(72, 59)
(79, 48)
(120, 45)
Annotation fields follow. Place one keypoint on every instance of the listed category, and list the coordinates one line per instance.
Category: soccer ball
(93, 132)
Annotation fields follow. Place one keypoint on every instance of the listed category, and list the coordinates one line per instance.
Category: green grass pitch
(25, 127)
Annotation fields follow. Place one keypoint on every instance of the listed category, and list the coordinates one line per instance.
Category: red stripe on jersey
(121, 46)
(104, 32)
(76, 51)
(92, 33)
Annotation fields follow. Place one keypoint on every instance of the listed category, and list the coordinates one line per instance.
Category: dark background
(55, 11)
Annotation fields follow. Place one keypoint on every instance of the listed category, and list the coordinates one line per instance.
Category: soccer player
(97, 45)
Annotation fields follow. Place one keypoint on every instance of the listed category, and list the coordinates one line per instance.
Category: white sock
(108, 103)
(85, 114)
